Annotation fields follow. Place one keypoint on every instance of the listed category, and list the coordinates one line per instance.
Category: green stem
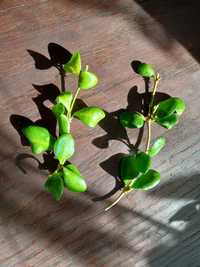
(148, 135)
(73, 101)
(116, 201)
(155, 86)
(127, 189)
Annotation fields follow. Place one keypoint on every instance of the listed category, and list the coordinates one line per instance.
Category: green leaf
(64, 124)
(172, 105)
(90, 116)
(74, 65)
(131, 119)
(128, 168)
(145, 70)
(58, 109)
(73, 180)
(39, 138)
(73, 168)
(147, 181)
(157, 146)
(64, 148)
(87, 80)
(65, 99)
(168, 122)
(54, 184)
(142, 161)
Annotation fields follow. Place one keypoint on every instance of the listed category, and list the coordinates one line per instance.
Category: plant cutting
(135, 169)
(62, 145)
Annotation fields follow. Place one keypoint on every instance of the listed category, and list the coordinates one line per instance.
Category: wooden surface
(156, 228)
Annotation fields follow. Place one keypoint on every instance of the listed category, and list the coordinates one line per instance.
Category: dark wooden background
(156, 228)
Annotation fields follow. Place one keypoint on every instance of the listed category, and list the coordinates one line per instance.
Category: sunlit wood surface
(151, 229)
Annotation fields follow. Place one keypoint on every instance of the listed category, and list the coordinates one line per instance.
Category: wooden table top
(156, 228)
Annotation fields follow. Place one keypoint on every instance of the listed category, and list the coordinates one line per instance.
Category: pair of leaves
(132, 165)
(39, 138)
(63, 103)
(68, 177)
(167, 112)
(90, 116)
(131, 119)
(135, 169)
(87, 79)
(41, 141)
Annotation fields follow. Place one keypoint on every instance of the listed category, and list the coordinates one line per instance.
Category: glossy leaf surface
(90, 116)
(73, 179)
(64, 124)
(168, 122)
(65, 99)
(131, 119)
(172, 105)
(74, 65)
(64, 148)
(58, 109)
(147, 181)
(145, 70)
(157, 146)
(128, 168)
(142, 161)
(38, 137)
(87, 80)
(55, 185)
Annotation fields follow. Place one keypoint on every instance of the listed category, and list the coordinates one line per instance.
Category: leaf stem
(155, 86)
(73, 101)
(116, 201)
(148, 121)
(148, 135)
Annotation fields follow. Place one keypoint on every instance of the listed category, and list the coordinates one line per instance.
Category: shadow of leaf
(58, 54)
(41, 61)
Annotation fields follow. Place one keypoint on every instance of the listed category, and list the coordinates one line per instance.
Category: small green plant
(135, 168)
(63, 145)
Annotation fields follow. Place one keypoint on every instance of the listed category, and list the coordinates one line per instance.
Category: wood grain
(156, 228)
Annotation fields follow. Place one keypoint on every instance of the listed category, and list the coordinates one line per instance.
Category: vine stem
(73, 101)
(127, 189)
(116, 201)
(148, 135)
(75, 96)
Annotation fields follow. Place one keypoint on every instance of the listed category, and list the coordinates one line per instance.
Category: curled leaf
(39, 138)
(145, 70)
(90, 116)
(157, 146)
(87, 80)
(73, 179)
(65, 99)
(54, 185)
(64, 148)
(131, 119)
(74, 65)
(147, 181)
